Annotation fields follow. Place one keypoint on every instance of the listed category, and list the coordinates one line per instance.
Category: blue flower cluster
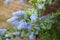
(18, 13)
(22, 1)
(34, 17)
(20, 24)
(7, 36)
(16, 16)
(7, 39)
(31, 35)
(41, 18)
(8, 1)
(40, 6)
(29, 26)
(16, 33)
(2, 31)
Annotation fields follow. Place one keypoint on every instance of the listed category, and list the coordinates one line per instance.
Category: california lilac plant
(30, 23)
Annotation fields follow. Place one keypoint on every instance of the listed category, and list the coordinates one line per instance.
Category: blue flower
(37, 26)
(16, 22)
(2, 31)
(31, 37)
(41, 18)
(18, 13)
(22, 1)
(15, 27)
(22, 25)
(33, 17)
(39, 6)
(7, 39)
(16, 33)
(25, 16)
(7, 35)
(29, 26)
(7, 2)
(12, 19)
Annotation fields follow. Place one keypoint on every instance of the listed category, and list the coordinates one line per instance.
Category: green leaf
(22, 34)
(33, 1)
